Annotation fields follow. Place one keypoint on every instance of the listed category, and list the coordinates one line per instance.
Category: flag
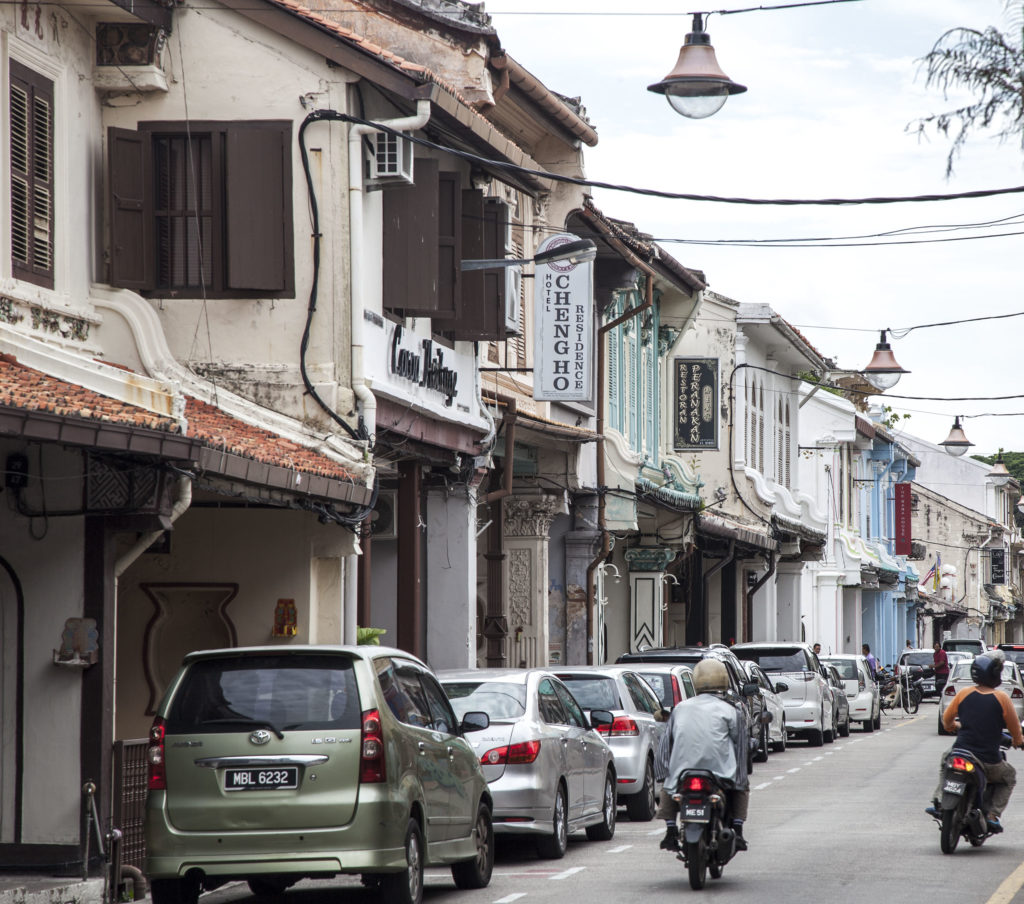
(938, 568)
(928, 576)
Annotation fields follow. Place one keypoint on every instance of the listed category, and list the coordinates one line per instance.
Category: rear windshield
(501, 702)
(1014, 655)
(597, 692)
(917, 659)
(847, 668)
(281, 692)
(776, 660)
(968, 646)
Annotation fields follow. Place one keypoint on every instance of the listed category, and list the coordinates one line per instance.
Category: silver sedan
(549, 772)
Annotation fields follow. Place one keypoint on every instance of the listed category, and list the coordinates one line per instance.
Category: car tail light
(623, 727)
(677, 695)
(696, 783)
(1017, 693)
(950, 691)
(960, 764)
(860, 683)
(371, 749)
(156, 779)
(512, 755)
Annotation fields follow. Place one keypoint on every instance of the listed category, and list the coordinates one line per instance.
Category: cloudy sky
(832, 90)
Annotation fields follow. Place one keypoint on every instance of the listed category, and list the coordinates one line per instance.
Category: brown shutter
(410, 252)
(449, 244)
(132, 250)
(258, 213)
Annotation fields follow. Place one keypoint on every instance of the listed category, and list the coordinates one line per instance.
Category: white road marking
(619, 849)
(778, 778)
(762, 786)
(508, 899)
(652, 834)
(816, 759)
(794, 769)
(569, 872)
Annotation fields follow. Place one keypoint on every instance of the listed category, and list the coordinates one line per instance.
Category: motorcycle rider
(980, 714)
(706, 732)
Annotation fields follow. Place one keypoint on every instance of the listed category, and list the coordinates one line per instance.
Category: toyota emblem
(260, 736)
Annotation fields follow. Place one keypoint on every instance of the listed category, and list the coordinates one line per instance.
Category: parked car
(550, 772)
(1014, 652)
(973, 645)
(273, 764)
(807, 698)
(919, 661)
(960, 677)
(773, 730)
(672, 683)
(862, 693)
(638, 722)
(840, 702)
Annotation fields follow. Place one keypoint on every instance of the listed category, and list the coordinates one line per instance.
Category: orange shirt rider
(983, 712)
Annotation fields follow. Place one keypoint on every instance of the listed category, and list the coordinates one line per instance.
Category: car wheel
(844, 729)
(269, 886)
(878, 720)
(642, 806)
(406, 887)
(780, 746)
(476, 873)
(552, 847)
(942, 730)
(605, 829)
(868, 725)
(174, 891)
(815, 738)
(761, 754)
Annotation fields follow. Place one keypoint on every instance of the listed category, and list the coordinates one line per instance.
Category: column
(647, 566)
(527, 526)
(451, 580)
(580, 548)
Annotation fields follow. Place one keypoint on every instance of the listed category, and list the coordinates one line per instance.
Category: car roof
(642, 667)
(610, 671)
(772, 645)
(832, 656)
(510, 676)
(672, 654)
(361, 651)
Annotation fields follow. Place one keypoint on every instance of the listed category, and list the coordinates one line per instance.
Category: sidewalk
(36, 889)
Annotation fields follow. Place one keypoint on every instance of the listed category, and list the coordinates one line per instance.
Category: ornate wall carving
(531, 516)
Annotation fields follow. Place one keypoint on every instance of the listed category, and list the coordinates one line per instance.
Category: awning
(546, 426)
(725, 527)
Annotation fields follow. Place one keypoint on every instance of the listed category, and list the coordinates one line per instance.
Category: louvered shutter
(410, 252)
(31, 136)
(614, 379)
(259, 208)
(132, 248)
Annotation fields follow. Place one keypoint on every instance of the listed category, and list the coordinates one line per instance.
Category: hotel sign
(695, 391)
(563, 328)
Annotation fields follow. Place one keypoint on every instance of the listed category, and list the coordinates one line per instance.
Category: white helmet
(709, 676)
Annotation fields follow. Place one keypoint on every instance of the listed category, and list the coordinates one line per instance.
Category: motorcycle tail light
(695, 783)
(960, 764)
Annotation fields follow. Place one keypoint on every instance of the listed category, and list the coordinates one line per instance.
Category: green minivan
(274, 764)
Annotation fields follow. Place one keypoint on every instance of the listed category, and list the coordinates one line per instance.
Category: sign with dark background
(695, 405)
(998, 566)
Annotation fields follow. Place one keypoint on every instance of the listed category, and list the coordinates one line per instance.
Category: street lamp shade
(579, 251)
(956, 443)
(883, 372)
(697, 87)
(999, 475)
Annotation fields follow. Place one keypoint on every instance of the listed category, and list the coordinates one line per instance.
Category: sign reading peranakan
(563, 328)
(695, 391)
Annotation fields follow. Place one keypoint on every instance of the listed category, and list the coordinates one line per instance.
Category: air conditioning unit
(513, 289)
(504, 219)
(383, 524)
(390, 158)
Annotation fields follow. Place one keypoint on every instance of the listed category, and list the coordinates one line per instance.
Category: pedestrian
(940, 662)
(872, 662)
(910, 646)
(817, 649)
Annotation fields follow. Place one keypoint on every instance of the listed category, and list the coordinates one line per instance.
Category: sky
(831, 92)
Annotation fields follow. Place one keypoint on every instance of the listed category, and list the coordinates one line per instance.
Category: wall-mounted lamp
(579, 251)
(697, 87)
(882, 371)
(956, 443)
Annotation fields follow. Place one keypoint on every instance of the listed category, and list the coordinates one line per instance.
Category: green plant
(891, 418)
(370, 635)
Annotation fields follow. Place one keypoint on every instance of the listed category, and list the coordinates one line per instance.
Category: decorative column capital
(649, 558)
(531, 516)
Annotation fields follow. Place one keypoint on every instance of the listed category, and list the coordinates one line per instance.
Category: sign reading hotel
(695, 403)
(563, 328)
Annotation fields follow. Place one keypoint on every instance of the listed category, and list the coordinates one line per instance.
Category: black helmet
(987, 669)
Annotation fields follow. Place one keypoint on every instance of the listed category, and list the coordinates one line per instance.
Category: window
(31, 131)
(202, 209)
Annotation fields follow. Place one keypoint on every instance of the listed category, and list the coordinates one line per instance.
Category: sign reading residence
(695, 405)
(563, 329)
(998, 566)
(903, 518)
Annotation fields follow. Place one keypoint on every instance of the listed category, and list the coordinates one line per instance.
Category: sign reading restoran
(695, 403)
(563, 328)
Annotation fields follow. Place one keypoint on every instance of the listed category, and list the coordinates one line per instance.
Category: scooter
(965, 799)
(706, 839)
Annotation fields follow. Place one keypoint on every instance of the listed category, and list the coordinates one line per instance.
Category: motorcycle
(905, 690)
(706, 839)
(965, 799)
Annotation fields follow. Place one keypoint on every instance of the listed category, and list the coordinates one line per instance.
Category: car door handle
(423, 748)
(451, 752)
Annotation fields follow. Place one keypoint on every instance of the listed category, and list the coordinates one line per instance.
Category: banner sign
(903, 529)
(563, 331)
(998, 566)
(695, 392)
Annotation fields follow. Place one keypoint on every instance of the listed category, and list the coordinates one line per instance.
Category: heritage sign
(998, 563)
(695, 403)
(563, 328)
(903, 518)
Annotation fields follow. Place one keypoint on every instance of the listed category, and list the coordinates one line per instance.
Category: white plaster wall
(961, 479)
(451, 580)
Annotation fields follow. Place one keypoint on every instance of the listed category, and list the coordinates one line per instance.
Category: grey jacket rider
(706, 732)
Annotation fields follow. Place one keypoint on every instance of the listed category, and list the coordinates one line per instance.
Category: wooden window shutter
(410, 249)
(258, 183)
(449, 244)
(31, 174)
(132, 249)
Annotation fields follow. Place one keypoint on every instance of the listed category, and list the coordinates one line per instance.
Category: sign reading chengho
(423, 365)
(695, 391)
(563, 328)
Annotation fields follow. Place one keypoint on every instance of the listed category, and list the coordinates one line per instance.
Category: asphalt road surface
(840, 823)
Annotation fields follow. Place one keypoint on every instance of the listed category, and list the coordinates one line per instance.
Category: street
(839, 823)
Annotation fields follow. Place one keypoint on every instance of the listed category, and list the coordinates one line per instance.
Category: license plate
(954, 787)
(697, 813)
(279, 778)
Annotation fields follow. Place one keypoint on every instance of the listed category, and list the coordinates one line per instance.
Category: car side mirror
(766, 717)
(781, 687)
(600, 718)
(474, 721)
(749, 689)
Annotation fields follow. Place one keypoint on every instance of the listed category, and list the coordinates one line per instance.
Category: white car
(773, 733)
(807, 697)
(861, 689)
(960, 677)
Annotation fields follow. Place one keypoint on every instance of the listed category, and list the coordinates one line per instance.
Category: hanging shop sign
(903, 518)
(998, 562)
(695, 393)
(563, 328)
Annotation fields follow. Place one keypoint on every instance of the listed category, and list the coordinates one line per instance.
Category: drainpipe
(509, 421)
(360, 387)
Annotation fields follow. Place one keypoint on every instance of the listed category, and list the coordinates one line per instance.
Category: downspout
(364, 396)
(509, 422)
